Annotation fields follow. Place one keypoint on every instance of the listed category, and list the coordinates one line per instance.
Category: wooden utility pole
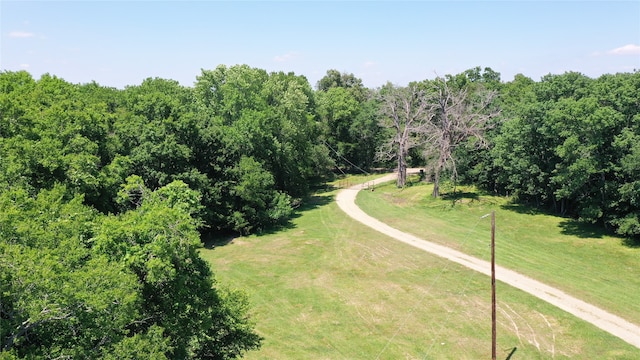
(493, 285)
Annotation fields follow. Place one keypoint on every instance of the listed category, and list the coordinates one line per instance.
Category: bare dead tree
(407, 112)
(460, 116)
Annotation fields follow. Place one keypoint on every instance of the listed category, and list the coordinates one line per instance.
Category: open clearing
(330, 288)
(605, 320)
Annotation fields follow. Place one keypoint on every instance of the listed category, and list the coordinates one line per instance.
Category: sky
(121, 43)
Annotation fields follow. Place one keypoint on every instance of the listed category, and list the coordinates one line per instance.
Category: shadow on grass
(595, 231)
(323, 188)
(631, 242)
(213, 239)
(319, 199)
(460, 196)
(314, 202)
(526, 209)
(569, 226)
(582, 230)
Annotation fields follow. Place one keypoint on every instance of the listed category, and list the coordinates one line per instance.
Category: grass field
(580, 259)
(329, 288)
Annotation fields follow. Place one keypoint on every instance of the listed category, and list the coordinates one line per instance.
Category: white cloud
(369, 64)
(24, 66)
(286, 57)
(21, 34)
(630, 49)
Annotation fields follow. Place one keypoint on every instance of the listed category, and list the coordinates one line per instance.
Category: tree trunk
(402, 170)
(436, 184)
(436, 178)
(455, 185)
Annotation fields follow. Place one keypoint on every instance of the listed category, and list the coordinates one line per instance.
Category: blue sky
(119, 43)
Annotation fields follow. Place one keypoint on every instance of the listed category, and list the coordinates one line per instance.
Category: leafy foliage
(158, 242)
(80, 284)
(568, 142)
(104, 191)
(347, 116)
(58, 298)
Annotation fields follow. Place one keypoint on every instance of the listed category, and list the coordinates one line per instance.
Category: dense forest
(106, 194)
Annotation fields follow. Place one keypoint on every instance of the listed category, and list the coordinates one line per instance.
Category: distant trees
(259, 145)
(104, 191)
(236, 121)
(347, 116)
(566, 144)
(437, 117)
(463, 112)
(110, 187)
(336, 79)
(407, 113)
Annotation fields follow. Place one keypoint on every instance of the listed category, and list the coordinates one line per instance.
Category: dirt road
(606, 321)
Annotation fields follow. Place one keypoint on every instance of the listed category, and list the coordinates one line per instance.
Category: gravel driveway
(606, 321)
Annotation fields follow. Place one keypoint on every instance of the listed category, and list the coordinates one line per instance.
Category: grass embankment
(330, 288)
(578, 258)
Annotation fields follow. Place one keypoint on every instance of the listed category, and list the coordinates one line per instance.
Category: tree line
(568, 143)
(106, 192)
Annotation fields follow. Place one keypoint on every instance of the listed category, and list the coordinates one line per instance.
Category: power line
(345, 159)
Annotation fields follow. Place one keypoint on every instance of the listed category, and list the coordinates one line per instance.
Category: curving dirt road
(606, 321)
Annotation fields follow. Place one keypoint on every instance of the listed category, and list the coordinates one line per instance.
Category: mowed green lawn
(577, 258)
(330, 288)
